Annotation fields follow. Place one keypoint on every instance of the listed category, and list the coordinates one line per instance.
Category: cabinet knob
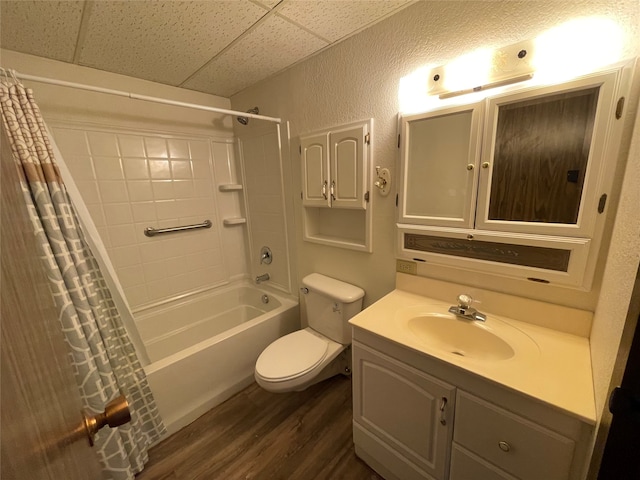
(470, 166)
(504, 446)
(485, 165)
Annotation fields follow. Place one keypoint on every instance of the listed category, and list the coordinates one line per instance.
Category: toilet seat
(292, 356)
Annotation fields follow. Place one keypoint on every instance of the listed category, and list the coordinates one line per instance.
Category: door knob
(116, 413)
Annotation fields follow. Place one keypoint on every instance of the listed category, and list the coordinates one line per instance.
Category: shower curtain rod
(145, 98)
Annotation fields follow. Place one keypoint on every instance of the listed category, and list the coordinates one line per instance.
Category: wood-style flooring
(261, 435)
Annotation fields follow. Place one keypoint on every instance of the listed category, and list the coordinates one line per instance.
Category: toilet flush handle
(304, 290)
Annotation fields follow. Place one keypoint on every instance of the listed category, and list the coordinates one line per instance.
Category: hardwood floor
(261, 435)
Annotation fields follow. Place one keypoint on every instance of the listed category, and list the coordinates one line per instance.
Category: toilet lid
(291, 356)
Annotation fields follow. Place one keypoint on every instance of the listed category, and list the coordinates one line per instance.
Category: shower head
(245, 120)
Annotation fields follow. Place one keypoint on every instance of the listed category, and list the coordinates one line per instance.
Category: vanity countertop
(558, 372)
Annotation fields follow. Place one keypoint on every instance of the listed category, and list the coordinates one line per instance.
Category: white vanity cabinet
(402, 415)
(489, 433)
(515, 185)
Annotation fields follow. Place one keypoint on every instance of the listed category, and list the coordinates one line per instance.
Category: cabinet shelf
(230, 187)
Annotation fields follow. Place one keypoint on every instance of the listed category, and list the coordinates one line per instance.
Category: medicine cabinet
(335, 166)
(516, 184)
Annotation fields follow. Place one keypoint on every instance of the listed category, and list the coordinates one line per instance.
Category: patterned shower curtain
(104, 360)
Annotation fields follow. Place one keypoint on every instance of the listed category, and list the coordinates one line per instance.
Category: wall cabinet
(516, 184)
(405, 429)
(335, 165)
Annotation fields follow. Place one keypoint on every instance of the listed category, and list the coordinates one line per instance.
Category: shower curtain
(104, 360)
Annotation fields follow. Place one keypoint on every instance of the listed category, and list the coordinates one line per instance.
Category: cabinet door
(406, 410)
(440, 158)
(315, 170)
(543, 153)
(348, 160)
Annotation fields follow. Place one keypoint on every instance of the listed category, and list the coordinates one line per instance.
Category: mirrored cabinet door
(542, 154)
(441, 151)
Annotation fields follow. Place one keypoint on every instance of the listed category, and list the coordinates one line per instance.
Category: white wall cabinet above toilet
(335, 165)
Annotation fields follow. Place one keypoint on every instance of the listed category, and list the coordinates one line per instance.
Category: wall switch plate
(406, 266)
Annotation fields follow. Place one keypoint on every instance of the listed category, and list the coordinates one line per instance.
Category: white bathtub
(203, 350)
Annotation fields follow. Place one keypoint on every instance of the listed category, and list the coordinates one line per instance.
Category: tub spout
(262, 278)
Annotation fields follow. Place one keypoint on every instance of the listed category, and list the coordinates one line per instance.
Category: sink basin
(493, 340)
(460, 337)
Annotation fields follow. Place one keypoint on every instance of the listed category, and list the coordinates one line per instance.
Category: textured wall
(359, 78)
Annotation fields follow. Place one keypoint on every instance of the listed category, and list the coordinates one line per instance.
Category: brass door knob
(116, 413)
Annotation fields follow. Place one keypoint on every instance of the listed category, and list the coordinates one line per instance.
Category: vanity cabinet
(396, 406)
(488, 433)
(516, 184)
(335, 166)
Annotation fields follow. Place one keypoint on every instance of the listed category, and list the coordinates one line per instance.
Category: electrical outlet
(406, 266)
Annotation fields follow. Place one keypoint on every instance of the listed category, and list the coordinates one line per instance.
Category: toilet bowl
(308, 356)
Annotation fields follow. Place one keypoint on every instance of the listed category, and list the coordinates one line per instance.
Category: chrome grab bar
(150, 231)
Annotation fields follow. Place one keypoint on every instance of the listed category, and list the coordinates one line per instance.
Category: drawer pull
(504, 446)
(443, 404)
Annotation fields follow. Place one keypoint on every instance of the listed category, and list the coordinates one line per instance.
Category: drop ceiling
(213, 46)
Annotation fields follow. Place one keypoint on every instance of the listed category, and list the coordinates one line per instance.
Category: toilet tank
(330, 304)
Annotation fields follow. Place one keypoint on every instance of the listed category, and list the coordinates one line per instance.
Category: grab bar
(150, 231)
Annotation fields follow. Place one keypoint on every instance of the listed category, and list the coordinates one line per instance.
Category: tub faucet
(262, 278)
(465, 310)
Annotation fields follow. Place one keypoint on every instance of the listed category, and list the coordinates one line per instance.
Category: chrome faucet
(262, 278)
(465, 310)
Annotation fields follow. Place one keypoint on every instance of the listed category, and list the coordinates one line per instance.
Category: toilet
(308, 356)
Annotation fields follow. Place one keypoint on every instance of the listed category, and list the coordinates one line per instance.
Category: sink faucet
(465, 310)
(262, 278)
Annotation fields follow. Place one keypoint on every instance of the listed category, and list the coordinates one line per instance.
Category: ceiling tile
(163, 41)
(46, 29)
(268, 3)
(273, 45)
(334, 19)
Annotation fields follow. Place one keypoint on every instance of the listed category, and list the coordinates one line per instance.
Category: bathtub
(203, 349)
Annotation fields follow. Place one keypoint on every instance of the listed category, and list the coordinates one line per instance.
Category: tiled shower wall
(265, 202)
(130, 181)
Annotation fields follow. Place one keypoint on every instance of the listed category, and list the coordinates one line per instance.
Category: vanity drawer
(465, 466)
(514, 444)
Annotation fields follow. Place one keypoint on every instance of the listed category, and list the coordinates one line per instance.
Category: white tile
(97, 215)
(45, 29)
(175, 266)
(122, 235)
(135, 168)
(70, 142)
(178, 148)
(103, 144)
(199, 150)
(183, 189)
(274, 44)
(153, 251)
(81, 167)
(139, 190)
(104, 235)
(158, 290)
(117, 213)
(154, 271)
(143, 38)
(125, 256)
(137, 295)
(162, 189)
(180, 169)
(201, 169)
(156, 147)
(166, 209)
(131, 146)
(334, 19)
(89, 191)
(130, 276)
(202, 188)
(143, 211)
(160, 169)
(113, 191)
(108, 168)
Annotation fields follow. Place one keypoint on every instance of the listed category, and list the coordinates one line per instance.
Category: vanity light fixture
(500, 83)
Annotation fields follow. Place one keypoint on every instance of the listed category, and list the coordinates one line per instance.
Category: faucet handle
(464, 300)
